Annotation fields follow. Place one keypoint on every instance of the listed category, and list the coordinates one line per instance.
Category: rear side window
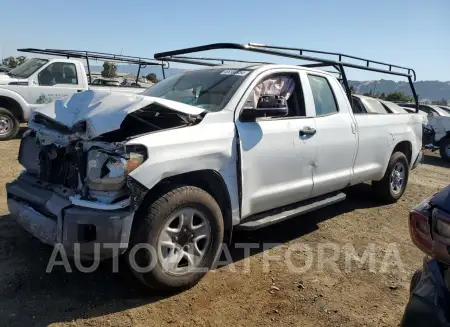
(324, 100)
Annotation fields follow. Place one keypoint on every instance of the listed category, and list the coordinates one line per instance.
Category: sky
(411, 33)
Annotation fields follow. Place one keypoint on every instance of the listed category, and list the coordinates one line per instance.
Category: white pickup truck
(40, 81)
(199, 154)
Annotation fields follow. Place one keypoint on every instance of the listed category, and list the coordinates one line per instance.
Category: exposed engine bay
(95, 169)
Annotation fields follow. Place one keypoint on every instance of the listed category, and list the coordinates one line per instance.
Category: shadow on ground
(436, 161)
(31, 297)
(22, 129)
(360, 196)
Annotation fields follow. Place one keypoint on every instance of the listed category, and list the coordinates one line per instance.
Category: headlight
(136, 155)
(108, 172)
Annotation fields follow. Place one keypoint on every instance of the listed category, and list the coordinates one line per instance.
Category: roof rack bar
(195, 60)
(167, 56)
(103, 56)
(340, 55)
(315, 65)
(98, 56)
(192, 61)
(142, 62)
(89, 69)
(275, 50)
(222, 60)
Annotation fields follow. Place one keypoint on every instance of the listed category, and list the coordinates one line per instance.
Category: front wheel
(393, 184)
(9, 125)
(444, 149)
(177, 239)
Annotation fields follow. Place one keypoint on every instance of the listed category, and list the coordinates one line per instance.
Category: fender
(24, 106)
(176, 152)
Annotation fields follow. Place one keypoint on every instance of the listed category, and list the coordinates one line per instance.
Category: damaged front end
(76, 187)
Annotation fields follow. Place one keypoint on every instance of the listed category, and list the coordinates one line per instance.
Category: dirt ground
(271, 295)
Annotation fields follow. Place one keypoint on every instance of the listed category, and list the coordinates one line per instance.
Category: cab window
(285, 85)
(58, 73)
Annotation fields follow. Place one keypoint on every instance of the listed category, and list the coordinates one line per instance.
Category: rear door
(335, 138)
(276, 162)
(57, 80)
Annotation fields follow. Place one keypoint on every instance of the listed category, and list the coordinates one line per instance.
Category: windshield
(27, 68)
(210, 89)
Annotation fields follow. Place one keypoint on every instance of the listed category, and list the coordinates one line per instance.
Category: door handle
(307, 131)
(79, 90)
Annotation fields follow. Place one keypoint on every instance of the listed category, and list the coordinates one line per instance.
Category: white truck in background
(39, 81)
(180, 166)
(437, 119)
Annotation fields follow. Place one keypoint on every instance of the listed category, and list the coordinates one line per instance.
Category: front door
(276, 164)
(57, 80)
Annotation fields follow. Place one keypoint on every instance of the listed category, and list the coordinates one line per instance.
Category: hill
(427, 90)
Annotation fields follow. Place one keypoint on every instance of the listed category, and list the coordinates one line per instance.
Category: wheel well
(406, 148)
(210, 181)
(13, 106)
(447, 136)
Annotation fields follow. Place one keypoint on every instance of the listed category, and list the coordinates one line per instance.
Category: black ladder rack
(82, 54)
(302, 54)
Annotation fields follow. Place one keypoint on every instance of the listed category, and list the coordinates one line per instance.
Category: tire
(383, 188)
(9, 125)
(151, 227)
(415, 279)
(444, 149)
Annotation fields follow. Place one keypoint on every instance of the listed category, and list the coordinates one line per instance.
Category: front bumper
(47, 213)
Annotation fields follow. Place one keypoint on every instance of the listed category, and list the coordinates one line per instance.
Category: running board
(302, 208)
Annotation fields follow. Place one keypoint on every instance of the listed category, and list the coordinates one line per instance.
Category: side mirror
(268, 106)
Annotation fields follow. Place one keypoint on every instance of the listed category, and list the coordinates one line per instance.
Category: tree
(152, 78)
(109, 69)
(10, 62)
(442, 102)
(13, 62)
(398, 96)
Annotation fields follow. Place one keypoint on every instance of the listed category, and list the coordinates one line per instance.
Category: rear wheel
(444, 149)
(393, 184)
(183, 230)
(9, 125)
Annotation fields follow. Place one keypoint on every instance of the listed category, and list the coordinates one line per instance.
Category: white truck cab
(177, 168)
(39, 81)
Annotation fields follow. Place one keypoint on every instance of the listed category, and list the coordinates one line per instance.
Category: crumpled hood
(104, 111)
